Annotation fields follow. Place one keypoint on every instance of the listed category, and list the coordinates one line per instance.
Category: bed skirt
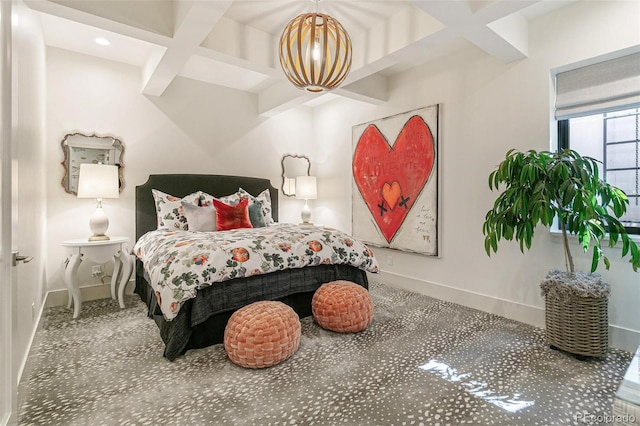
(201, 321)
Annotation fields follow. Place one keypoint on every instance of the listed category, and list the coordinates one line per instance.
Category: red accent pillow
(232, 217)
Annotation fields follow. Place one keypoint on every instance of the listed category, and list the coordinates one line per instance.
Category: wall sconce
(289, 186)
(306, 189)
(98, 181)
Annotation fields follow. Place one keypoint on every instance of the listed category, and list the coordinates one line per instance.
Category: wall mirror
(79, 148)
(292, 166)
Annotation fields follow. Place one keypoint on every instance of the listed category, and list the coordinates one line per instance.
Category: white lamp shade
(98, 181)
(306, 188)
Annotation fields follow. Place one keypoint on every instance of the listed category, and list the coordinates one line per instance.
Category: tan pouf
(342, 306)
(262, 334)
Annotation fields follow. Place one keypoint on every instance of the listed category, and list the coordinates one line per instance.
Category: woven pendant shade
(315, 52)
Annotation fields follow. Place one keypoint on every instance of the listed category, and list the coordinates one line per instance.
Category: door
(22, 218)
(8, 374)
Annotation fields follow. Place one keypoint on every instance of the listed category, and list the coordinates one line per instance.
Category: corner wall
(487, 107)
(193, 127)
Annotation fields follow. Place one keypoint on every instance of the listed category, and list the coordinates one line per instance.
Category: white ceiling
(233, 43)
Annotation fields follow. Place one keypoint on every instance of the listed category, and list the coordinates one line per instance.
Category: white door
(8, 373)
(22, 164)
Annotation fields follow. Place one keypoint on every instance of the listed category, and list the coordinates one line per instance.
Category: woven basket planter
(576, 316)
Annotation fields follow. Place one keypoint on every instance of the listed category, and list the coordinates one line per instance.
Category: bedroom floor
(422, 361)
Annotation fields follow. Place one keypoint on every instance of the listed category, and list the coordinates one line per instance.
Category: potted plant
(540, 187)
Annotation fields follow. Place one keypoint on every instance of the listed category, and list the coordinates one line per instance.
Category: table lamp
(306, 189)
(98, 181)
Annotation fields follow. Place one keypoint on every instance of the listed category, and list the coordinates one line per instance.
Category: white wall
(192, 128)
(487, 108)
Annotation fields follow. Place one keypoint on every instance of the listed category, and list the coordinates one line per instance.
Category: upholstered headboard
(180, 185)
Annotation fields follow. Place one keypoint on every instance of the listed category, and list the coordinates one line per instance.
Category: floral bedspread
(181, 262)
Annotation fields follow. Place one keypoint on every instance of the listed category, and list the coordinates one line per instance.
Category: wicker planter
(576, 316)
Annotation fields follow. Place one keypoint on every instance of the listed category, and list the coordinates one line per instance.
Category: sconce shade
(98, 181)
(306, 188)
(315, 52)
(289, 186)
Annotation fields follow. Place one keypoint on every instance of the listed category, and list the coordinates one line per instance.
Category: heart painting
(391, 172)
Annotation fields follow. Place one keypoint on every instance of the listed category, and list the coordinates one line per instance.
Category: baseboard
(624, 338)
(91, 292)
(619, 337)
(26, 365)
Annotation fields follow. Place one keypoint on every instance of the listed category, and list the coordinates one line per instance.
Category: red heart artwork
(390, 178)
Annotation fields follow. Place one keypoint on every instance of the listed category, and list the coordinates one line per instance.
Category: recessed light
(102, 41)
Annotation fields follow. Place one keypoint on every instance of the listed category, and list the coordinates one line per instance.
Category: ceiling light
(103, 41)
(315, 52)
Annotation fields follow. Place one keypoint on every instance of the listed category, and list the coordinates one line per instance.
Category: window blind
(596, 88)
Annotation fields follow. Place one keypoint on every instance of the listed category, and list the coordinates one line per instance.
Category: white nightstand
(99, 252)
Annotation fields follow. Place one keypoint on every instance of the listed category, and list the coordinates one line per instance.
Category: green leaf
(487, 245)
(597, 252)
(625, 245)
(540, 185)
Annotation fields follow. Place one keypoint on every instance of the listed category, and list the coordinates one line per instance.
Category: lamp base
(99, 223)
(305, 214)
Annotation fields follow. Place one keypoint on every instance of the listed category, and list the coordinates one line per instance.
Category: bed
(201, 319)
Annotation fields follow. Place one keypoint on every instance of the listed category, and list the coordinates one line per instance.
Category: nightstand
(99, 252)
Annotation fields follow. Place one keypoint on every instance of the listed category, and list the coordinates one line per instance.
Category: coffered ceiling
(234, 43)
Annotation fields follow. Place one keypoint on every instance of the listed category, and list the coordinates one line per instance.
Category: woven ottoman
(262, 334)
(342, 306)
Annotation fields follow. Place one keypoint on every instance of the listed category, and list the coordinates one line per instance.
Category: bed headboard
(184, 184)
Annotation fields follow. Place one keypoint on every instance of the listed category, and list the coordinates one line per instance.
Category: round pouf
(342, 306)
(262, 334)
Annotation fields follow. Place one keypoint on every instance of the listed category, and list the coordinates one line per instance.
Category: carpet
(422, 361)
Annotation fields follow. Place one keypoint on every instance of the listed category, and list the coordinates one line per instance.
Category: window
(614, 139)
(598, 109)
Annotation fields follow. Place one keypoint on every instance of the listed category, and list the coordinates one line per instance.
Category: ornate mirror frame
(293, 165)
(79, 148)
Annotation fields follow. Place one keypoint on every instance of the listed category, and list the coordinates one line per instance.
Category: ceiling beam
(197, 19)
(493, 28)
(86, 18)
(415, 34)
(373, 90)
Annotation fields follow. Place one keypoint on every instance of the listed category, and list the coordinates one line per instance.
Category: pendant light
(315, 52)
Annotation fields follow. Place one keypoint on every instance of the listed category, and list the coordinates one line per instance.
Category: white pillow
(200, 219)
(169, 210)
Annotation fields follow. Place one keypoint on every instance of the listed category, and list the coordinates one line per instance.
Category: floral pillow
(200, 219)
(231, 199)
(232, 217)
(169, 210)
(265, 198)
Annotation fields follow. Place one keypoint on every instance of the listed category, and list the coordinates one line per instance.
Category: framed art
(395, 181)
